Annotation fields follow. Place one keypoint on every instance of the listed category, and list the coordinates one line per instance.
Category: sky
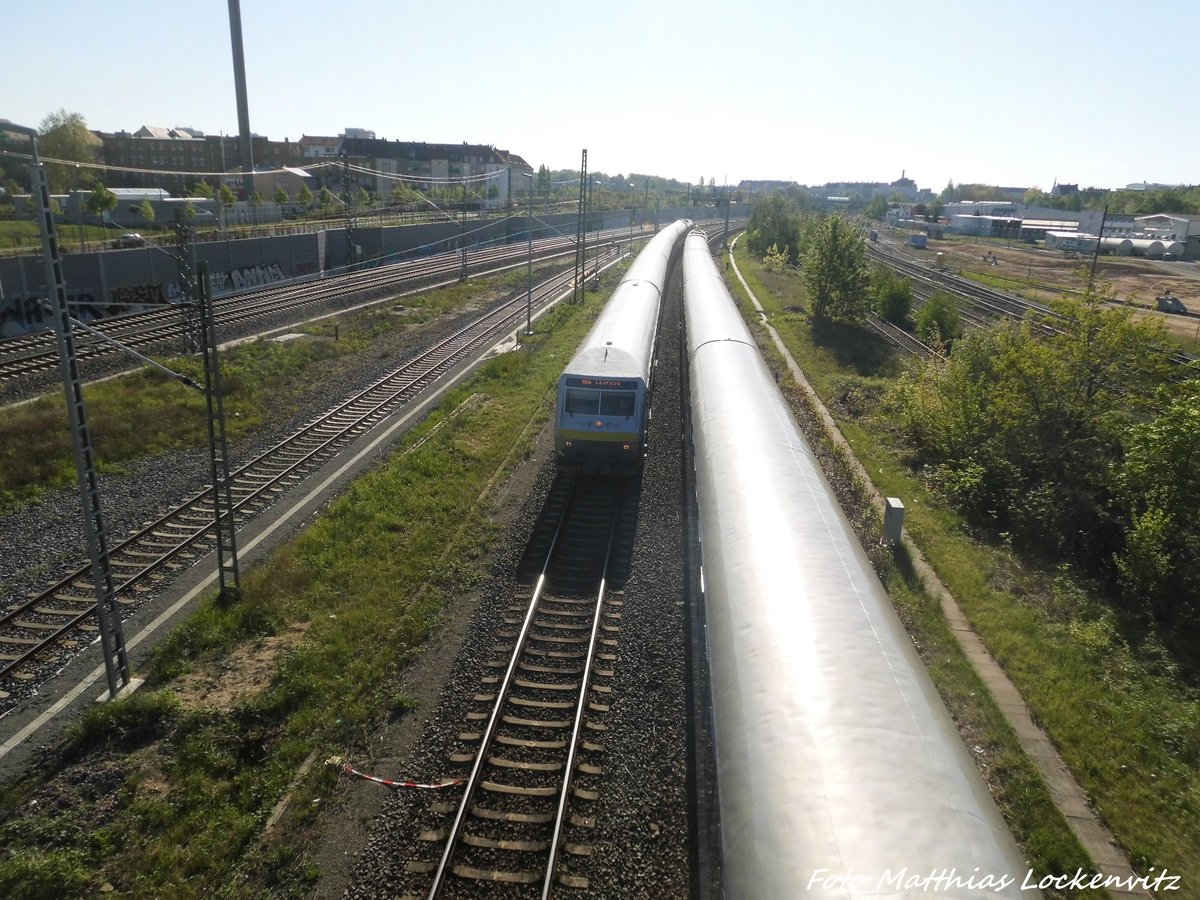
(1009, 92)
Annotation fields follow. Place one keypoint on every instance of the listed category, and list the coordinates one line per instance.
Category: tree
(189, 211)
(876, 208)
(226, 195)
(202, 189)
(774, 221)
(835, 272)
(892, 294)
(949, 193)
(325, 198)
(938, 320)
(256, 199)
(101, 201)
(1023, 426)
(146, 209)
(935, 210)
(65, 135)
(543, 181)
(1159, 484)
(304, 196)
(282, 196)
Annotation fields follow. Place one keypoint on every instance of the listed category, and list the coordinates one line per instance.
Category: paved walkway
(1068, 796)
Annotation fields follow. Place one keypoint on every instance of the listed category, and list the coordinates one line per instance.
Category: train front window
(582, 403)
(618, 403)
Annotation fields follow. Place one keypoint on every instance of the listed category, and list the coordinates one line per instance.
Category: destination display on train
(609, 383)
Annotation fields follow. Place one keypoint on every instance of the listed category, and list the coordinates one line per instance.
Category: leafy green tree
(835, 271)
(892, 295)
(101, 201)
(402, 193)
(876, 208)
(256, 199)
(777, 260)
(65, 135)
(202, 189)
(362, 199)
(1023, 425)
(544, 181)
(1159, 484)
(282, 196)
(146, 210)
(189, 210)
(325, 198)
(11, 189)
(226, 195)
(774, 221)
(949, 193)
(938, 319)
(304, 196)
(936, 208)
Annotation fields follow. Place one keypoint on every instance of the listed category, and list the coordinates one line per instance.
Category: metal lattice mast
(218, 450)
(112, 635)
(348, 195)
(184, 256)
(463, 249)
(580, 261)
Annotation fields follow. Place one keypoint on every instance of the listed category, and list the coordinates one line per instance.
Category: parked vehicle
(126, 241)
(1169, 304)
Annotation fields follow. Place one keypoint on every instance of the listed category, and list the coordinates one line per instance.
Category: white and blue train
(603, 395)
(840, 773)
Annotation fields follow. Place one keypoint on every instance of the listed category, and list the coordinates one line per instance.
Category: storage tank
(1147, 247)
(1175, 249)
(1118, 246)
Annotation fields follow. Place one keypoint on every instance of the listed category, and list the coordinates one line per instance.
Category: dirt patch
(244, 673)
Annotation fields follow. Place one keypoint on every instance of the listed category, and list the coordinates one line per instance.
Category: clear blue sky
(1013, 93)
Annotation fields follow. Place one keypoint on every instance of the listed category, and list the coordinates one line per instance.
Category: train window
(617, 403)
(582, 403)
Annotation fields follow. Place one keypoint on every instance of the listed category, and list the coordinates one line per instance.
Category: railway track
(981, 305)
(531, 748)
(164, 328)
(38, 632)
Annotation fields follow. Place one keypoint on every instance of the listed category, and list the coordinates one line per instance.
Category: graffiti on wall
(26, 313)
(246, 277)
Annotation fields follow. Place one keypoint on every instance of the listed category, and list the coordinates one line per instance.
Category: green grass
(1124, 721)
(147, 413)
(367, 582)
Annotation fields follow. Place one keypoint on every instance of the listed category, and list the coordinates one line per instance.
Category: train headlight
(567, 444)
(627, 447)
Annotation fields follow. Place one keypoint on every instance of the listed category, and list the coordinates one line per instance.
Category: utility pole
(184, 252)
(463, 249)
(579, 235)
(725, 236)
(348, 195)
(112, 634)
(243, 104)
(1096, 252)
(224, 522)
(529, 263)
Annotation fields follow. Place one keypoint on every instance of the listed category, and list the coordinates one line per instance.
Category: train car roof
(606, 362)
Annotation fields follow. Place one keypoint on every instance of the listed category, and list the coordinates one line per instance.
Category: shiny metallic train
(603, 395)
(840, 773)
